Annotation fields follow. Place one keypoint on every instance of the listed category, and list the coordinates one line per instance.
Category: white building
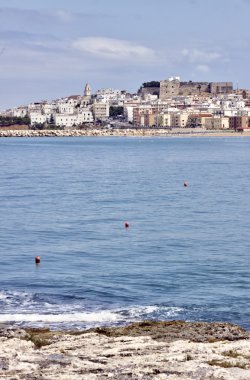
(49, 108)
(128, 108)
(66, 120)
(106, 95)
(85, 116)
(20, 111)
(66, 108)
(128, 113)
(38, 118)
(35, 107)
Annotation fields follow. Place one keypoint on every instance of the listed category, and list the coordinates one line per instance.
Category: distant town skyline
(50, 49)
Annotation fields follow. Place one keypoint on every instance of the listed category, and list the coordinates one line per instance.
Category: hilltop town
(167, 104)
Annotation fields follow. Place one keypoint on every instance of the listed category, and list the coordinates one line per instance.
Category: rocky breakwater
(82, 132)
(181, 132)
(147, 350)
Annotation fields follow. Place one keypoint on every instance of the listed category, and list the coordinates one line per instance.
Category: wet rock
(173, 330)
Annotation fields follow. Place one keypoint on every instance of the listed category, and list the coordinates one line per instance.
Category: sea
(184, 256)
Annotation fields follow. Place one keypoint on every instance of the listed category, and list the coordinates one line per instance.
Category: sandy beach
(147, 350)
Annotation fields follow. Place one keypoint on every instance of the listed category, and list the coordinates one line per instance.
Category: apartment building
(239, 123)
(101, 111)
(198, 120)
(179, 120)
(217, 122)
(164, 120)
(141, 115)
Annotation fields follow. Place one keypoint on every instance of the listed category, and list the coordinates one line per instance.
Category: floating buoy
(37, 259)
(126, 224)
(185, 184)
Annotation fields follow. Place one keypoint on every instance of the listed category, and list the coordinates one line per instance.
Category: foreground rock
(148, 350)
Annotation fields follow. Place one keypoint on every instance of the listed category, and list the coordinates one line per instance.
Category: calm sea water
(185, 256)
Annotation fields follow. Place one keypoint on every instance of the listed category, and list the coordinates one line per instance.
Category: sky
(51, 48)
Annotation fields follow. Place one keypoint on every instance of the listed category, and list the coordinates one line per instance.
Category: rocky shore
(115, 132)
(147, 350)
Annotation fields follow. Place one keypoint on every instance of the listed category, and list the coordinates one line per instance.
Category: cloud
(114, 49)
(200, 56)
(203, 68)
(64, 16)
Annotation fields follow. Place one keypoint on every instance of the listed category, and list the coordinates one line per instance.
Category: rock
(146, 350)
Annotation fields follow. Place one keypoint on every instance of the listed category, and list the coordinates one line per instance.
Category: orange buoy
(37, 259)
(126, 224)
(185, 184)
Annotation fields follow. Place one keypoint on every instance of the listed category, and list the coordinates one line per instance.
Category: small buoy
(38, 259)
(185, 184)
(126, 224)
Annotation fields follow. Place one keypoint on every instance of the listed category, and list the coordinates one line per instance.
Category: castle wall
(169, 88)
(173, 87)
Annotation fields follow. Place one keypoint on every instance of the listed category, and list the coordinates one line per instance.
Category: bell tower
(86, 98)
(87, 90)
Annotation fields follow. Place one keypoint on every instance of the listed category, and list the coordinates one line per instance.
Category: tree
(6, 121)
(115, 111)
(151, 84)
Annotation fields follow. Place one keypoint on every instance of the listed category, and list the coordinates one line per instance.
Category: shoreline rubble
(119, 132)
(143, 350)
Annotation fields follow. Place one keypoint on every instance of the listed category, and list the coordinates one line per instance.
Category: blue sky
(50, 48)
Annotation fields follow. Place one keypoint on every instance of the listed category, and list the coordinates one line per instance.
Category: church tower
(86, 98)
(87, 90)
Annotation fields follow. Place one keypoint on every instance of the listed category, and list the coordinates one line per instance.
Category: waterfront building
(198, 120)
(239, 123)
(179, 119)
(164, 120)
(217, 122)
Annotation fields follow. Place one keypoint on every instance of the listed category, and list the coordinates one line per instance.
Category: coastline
(146, 350)
(197, 132)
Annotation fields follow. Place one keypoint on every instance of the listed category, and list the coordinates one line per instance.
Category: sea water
(185, 255)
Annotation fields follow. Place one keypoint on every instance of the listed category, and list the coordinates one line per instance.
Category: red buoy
(37, 259)
(126, 224)
(185, 184)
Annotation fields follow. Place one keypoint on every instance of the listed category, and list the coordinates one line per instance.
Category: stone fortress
(172, 86)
